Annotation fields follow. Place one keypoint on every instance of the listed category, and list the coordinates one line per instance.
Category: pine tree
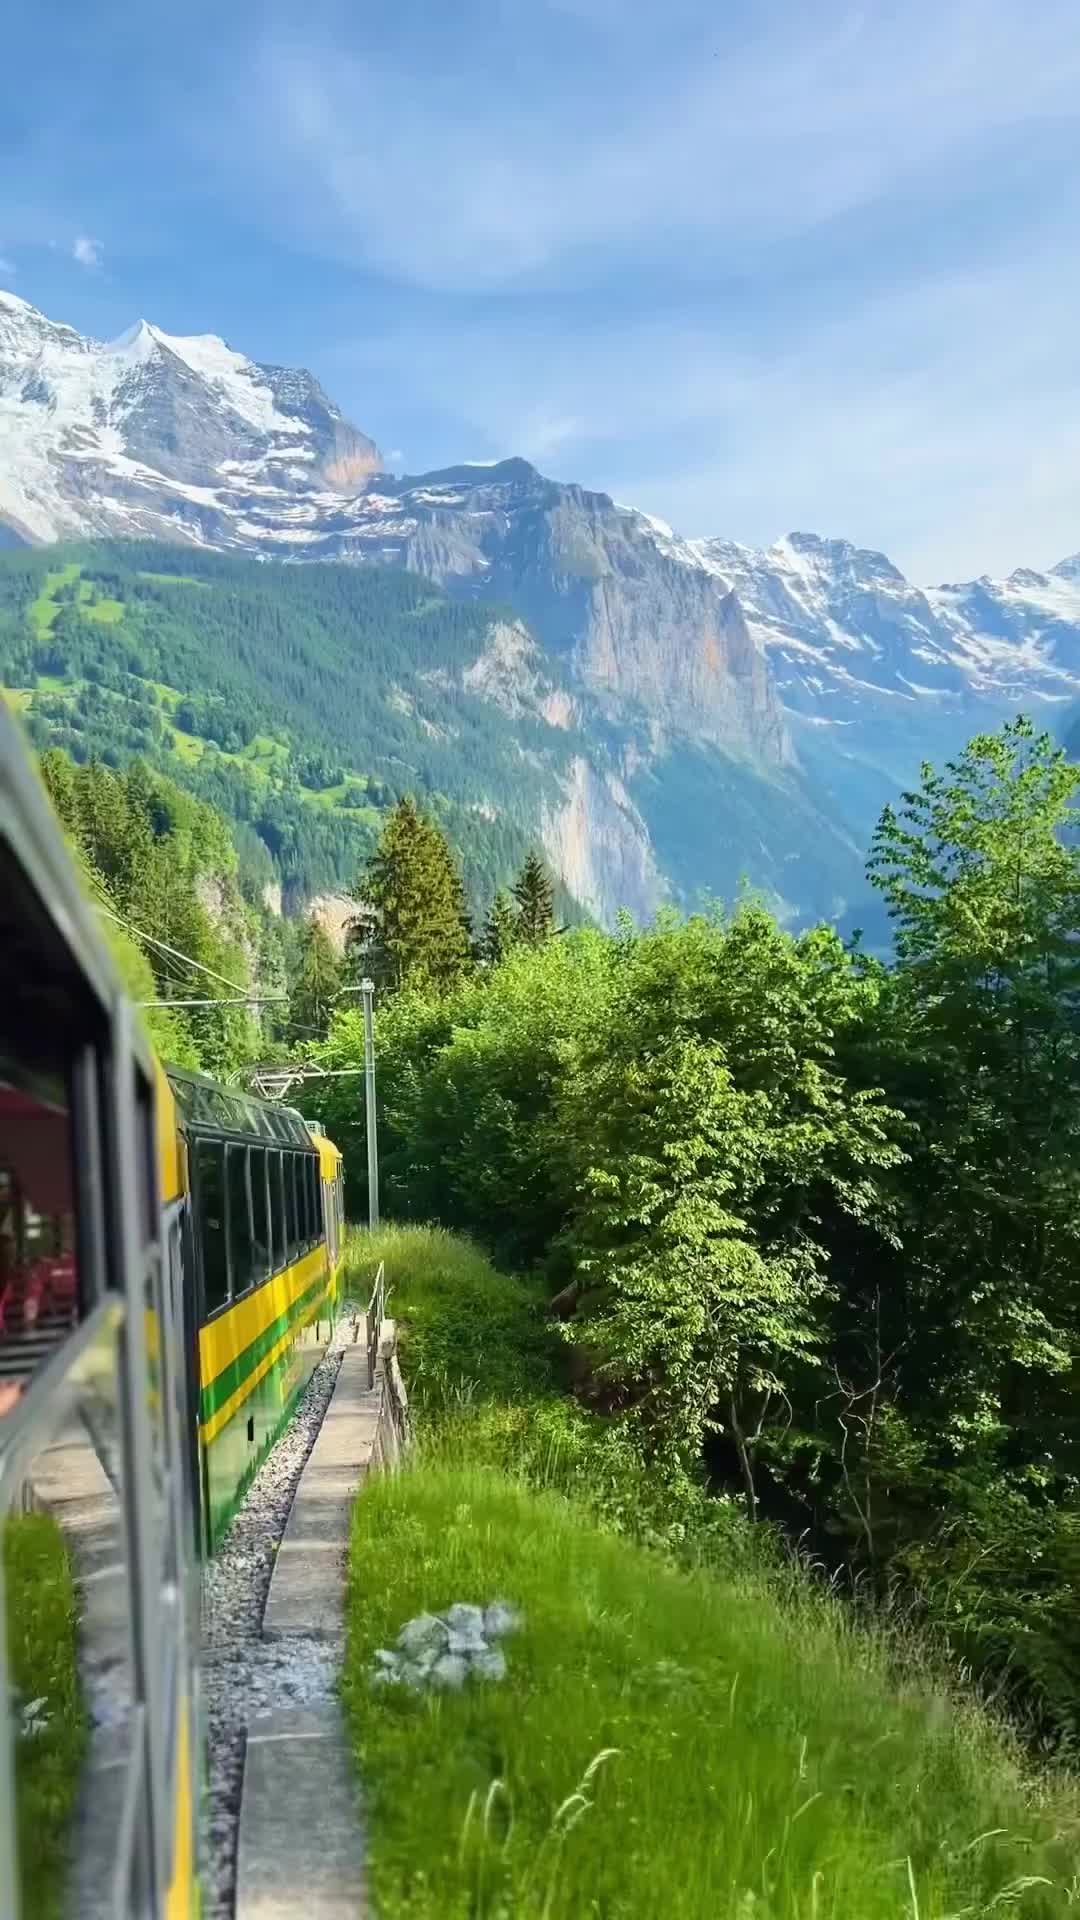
(535, 899)
(316, 978)
(412, 887)
(501, 929)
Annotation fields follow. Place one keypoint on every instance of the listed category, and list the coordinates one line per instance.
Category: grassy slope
(40, 1605)
(768, 1763)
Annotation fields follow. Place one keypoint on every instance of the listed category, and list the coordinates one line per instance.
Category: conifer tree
(535, 899)
(501, 929)
(413, 888)
(316, 978)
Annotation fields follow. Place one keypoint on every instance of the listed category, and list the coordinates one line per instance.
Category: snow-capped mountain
(845, 630)
(161, 436)
(798, 685)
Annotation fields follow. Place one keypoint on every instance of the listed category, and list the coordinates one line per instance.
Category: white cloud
(543, 437)
(493, 163)
(7, 267)
(86, 251)
(940, 423)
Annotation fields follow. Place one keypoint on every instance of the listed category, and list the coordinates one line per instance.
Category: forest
(300, 702)
(808, 1220)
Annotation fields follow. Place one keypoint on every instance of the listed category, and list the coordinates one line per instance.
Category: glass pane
(277, 1207)
(38, 1268)
(67, 1607)
(303, 1199)
(315, 1185)
(210, 1211)
(291, 1170)
(239, 1223)
(260, 1223)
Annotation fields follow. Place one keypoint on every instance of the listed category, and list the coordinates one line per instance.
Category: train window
(291, 1164)
(307, 1216)
(51, 1192)
(210, 1206)
(261, 1255)
(146, 1147)
(314, 1198)
(236, 1173)
(277, 1206)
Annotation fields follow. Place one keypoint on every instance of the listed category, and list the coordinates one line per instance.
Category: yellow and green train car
(265, 1251)
(169, 1274)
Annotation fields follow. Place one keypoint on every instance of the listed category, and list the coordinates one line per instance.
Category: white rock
(500, 1618)
(466, 1643)
(464, 1619)
(490, 1665)
(450, 1672)
(418, 1635)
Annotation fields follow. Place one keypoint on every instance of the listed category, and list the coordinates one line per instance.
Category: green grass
(40, 1605)
(44, 609)
(766, 1757)
(187, 746)
(107, 613)
(763, 1764)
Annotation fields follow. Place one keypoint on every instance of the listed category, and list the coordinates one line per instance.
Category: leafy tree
(420, 933)
(984, 887)
(469, 1083)
(501, 929)
(535, 898)
(715, 1137)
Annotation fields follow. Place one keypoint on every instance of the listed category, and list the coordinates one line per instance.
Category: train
(171, 1256)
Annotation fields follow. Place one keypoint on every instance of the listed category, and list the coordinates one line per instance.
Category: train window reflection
(215, 1268)
(261, 1253)
(38, 1267)
(236, 1160)
(291, 1165)
(66, 1606)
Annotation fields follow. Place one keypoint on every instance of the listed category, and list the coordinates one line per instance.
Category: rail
(376, 1314)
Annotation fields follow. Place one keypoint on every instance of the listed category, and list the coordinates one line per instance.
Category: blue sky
(749, 264)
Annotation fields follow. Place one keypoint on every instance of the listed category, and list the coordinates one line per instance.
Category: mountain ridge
(704, 669)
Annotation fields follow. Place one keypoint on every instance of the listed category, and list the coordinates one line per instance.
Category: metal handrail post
(367, 988)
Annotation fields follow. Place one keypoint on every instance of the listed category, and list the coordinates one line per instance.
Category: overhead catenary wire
(164, 947)
(223, 1000)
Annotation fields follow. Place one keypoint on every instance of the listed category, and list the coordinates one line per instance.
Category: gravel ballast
(243, 1676)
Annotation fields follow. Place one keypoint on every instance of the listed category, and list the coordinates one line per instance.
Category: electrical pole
(367, 988)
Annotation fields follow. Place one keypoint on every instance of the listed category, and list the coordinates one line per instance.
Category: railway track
(243, 1675)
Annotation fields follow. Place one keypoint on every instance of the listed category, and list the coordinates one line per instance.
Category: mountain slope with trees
(301, 706)
(304, 702)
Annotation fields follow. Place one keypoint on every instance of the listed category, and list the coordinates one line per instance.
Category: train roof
(206, 1107)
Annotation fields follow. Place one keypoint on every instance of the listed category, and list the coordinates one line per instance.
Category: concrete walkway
(307, 1589)
(300, 1848)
